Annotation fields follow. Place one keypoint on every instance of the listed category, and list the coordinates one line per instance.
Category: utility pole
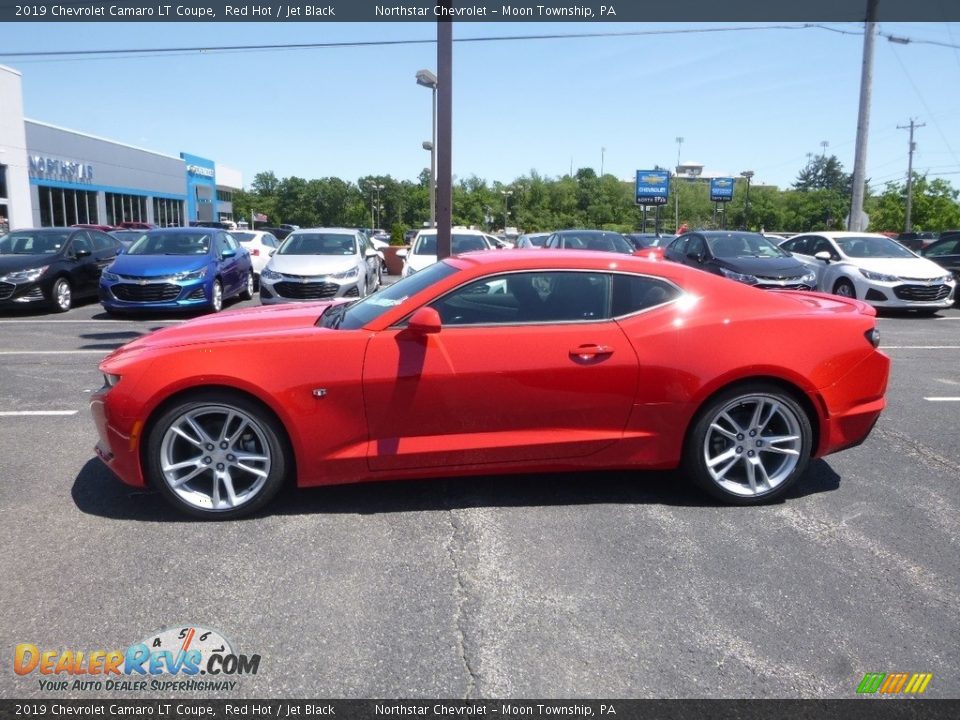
(676, 186)
(913, 146)
(863, 121)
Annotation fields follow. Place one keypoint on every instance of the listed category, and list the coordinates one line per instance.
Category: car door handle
(590, 352)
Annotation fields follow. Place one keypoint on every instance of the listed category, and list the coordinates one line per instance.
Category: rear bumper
(854, 404)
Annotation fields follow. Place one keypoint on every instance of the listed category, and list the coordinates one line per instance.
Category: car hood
(157, 265)
(13, 263)
(419, 262)
(249, 323)
(772, 267)
(916, 267)
(312, 265)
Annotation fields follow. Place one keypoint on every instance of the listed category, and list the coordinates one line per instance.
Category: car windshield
(743, 245)
(244, 236)
(595, 240)
(872, 247)
(351, 316)
(318, 244)
(32, 243)
(537, 240)
(163, 243)
(459, 243)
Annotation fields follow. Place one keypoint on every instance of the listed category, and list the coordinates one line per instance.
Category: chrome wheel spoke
(723, 431)
(180, 481)
(204, 438)
(256, 471)
(193, 462)
(733, 423)
(731, 453)
(726, 468)
(181, 433)
(774, 409)
(773, 441)
(757, 412)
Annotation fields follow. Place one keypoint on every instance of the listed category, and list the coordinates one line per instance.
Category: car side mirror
(695, 256)
(371, 253)
(81, 253)
(425, 321)
(823, 255)
(402, 253)
(228, 253)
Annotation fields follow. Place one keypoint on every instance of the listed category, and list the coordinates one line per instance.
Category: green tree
(934, 206)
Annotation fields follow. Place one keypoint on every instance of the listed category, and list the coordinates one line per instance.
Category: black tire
(256, 282)
(61, 295)
(216, 296)
(844, 288)
(248, 288)
(726, 431)
(258, 434)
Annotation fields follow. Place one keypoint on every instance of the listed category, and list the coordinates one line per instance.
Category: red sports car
(489, 363)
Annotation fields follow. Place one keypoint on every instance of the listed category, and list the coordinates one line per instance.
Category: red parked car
(496, 363)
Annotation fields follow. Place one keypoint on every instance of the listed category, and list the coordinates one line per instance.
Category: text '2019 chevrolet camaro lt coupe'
(491, 363)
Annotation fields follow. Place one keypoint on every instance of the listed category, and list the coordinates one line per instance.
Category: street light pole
(506, 200)
(429, 80)
(676, 188)
(379, 208)
(746, 207)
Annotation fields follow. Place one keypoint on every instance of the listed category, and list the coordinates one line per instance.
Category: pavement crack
(456, 547)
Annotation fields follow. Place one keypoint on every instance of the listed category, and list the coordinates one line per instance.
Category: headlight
(346, 274)
(112, 277)
(268, 274)
(739, 277)
(878, 277)
(24, 276)
(809, 279)
(188, 276)
(944, 279)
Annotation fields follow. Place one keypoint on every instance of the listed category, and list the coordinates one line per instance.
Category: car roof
(840, 234)
(339, 230)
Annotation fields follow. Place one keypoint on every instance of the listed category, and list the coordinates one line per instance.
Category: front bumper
(21, 294)
(906, 293)
(129, 296)
(296, 288)
(119, 450)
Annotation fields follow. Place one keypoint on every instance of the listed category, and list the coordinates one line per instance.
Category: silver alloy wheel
(216, 302)
(62, 295)
(250, 285)
(752, 445)
(215, 457)
(844, 289)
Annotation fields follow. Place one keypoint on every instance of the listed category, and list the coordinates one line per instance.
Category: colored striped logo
(893, 683)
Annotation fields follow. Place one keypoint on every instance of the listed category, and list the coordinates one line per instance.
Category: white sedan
(873, 268)
(423, 250)
(260, 245)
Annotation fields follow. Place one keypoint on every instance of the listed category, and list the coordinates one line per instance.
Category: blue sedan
(178, 269)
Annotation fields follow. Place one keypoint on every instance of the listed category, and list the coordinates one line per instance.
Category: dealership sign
(200, 170)
(721, 189)
(65, 170)
(653, 186)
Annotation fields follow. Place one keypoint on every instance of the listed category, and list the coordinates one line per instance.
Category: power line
(143, 52)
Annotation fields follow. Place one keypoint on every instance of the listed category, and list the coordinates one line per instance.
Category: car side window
(820, 244)
(230, 242)
(102, 241)
(551, 242)
(521, 298)
(948, 247)
(80, 242)
(678, 246)
(696, 246)
(798, 245)
(633, 293)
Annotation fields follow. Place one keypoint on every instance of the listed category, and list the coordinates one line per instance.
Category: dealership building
(54, 176)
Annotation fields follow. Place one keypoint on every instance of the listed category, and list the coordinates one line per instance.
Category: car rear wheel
(749, 444)
(216, 456)
(844, 288)
(247, 292)
(61, 295)
(216, 297)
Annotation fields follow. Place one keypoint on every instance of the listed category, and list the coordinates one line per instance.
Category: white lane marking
(943, 399)
(55, 352)
(65, 322)
(37, 413)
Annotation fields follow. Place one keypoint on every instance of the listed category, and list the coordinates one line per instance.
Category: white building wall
(13, 148)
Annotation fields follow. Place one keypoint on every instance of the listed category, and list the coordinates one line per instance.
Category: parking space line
(943, 399)
(37, 413)
(55, 352)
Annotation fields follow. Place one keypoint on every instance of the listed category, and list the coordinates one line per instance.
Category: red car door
(502, 381)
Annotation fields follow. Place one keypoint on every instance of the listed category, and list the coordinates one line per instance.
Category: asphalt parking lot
(602, 585)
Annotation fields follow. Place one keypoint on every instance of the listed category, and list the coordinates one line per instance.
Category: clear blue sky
(760, 99)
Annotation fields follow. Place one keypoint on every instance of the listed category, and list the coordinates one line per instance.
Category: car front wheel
(247, 292)
(216, 456)
(844, 288)
(61, 295)
(749, 444)
(216, 296)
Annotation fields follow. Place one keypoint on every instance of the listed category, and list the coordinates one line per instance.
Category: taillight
(255, 252)
(873, 336)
